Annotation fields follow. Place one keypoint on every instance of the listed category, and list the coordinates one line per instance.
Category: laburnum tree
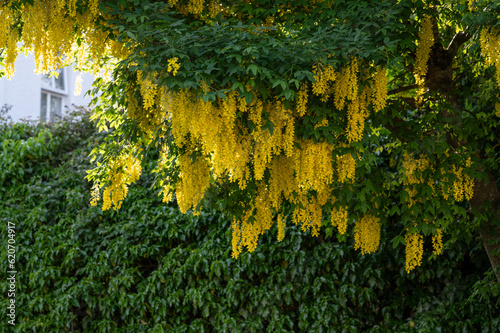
(339, 115)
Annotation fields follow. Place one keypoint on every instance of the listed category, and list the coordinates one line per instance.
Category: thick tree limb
(487, 192)
(401, 89)
(458, 40)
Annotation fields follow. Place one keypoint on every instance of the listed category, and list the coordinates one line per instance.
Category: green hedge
(148, 268)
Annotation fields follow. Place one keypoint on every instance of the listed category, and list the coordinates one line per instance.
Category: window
(53, 95)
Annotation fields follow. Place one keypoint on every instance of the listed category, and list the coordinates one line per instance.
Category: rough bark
(487, 192)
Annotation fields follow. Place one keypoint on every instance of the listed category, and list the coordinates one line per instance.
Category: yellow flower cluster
(323, 123)
(213, 128)
(148, 117)
(490, 46)
(50, 29)
(414, 250)
(95, 194)
(309, 213)
(356, 115)
(281, 140)
(173, 66)
(379, 93)
(214, 8)
(344, 85)
(195, 6)
(346, 167)
(313, 165)
(198, 7)
(339, 219)
(295, 177)
(281, 227)
(410, 165)
(194, 181)
(123, 171)
(148, 90)
(323, 76)
(12, 52)
(166, 193)
(283, 181)
(263, 213)
(413, 171)
(302, 99)
(255, 113)
(471, 5)
(367, 234)
(463, 185)
(8, 37)
(245, 232)
(164, 161)
(425, 42)
(235, 239)
(232, 151)
(8, 18)
(437, 242)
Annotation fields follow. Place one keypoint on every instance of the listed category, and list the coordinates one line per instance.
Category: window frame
(48, 113)
(51, 91)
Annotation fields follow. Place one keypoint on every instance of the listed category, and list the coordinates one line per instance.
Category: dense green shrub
(148, 268)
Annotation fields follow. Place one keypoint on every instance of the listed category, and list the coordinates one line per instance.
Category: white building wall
(23, 91)
(2, 92)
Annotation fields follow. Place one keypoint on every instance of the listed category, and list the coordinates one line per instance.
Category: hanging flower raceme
(414, 250)
(367, 234)
(425, 42)
(124, 170)
(490, 46)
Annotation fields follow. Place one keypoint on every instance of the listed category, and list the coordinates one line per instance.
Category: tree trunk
(489, 230)
(440, 79)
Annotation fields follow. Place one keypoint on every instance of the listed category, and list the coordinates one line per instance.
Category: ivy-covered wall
(149, 268)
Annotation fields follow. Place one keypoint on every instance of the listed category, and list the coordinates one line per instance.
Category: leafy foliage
(147, 267)
(349, 113)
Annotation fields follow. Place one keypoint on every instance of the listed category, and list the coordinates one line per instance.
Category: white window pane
(60, 80)
(55, 107)
(43, 107)
(46, 80)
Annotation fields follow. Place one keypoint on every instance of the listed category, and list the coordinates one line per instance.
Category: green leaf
(269, 126)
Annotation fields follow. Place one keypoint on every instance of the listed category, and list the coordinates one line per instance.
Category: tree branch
(458, 40)
(401, 89)
(486, 191)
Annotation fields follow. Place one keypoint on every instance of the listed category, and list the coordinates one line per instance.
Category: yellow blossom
(281, 227)
(437, 242)
(379, 90)
(414, 250)
(425, 42)
(302, 99)
(236, 237)
(367, 234)
(173, 65)
(339, 219)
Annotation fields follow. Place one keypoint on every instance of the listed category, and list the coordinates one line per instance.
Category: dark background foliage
(148, 268)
